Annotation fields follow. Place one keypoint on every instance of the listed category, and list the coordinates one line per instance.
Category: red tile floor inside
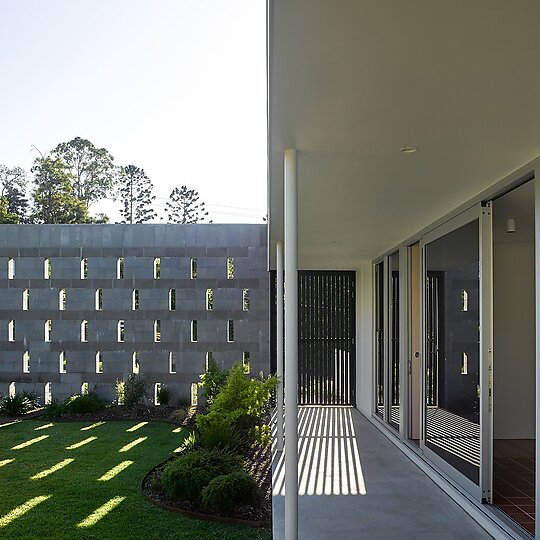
(513, 479)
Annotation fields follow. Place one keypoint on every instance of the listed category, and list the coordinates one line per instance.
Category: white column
(290, 190)
(279, 344)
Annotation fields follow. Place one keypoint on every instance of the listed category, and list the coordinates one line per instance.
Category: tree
(184, 206)
(13, 190)
(53, 195)
(91, 168)
(5, 215)
(135, 193)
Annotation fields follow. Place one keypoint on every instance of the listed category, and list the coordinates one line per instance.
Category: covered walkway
(355, 484)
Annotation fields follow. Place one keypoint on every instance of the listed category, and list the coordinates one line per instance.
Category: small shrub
(135, 389)
(212, 380)
(76, 404)
(18, 404)
(226, 492)
(163, 395)
(186, 476)
(218, 433)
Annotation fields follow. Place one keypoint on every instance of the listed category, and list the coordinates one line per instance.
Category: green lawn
(52, 486)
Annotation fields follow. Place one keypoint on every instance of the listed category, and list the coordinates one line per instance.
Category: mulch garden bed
(258, 463)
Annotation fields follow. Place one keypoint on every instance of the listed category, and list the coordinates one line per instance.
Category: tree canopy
(13, 184)
(183, 206)
(135, 194)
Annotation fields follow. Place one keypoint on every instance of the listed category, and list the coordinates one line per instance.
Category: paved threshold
(355, 484)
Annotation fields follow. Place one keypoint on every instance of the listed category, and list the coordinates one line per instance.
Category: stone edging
(197, 515)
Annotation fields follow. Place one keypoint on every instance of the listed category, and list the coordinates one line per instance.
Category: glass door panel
(452, 349)
(393, 356)
(379, 340)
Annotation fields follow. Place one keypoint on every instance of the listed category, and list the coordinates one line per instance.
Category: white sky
(176, 87)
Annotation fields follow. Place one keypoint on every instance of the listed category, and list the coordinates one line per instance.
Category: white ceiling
(352, 81)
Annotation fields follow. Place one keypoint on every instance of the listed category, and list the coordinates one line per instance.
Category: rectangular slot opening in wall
(47, 274)
(245, 299)
(230, 331)
(209, 299)
(157, 390)
(172, 299)
(84, 268)
(99, 299)
(120, 268)
(135, 358)
(194, 331)
(157, 268)
(85, 388)
(11, 268)
(26, 362)
(62, 362)
(157, 330)
(464, 364)
(194, 395)
(48, 330)
(245, 363)
(11, 331)
(209, 359)
(47, 393)
(193, 266)
(135, 300)
(120, 331)
(172, 363)
(62, 300)
(99, 362)
(26, 299)
(230, 267)
(84, 331)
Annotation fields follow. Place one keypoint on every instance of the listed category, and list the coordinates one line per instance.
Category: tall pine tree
(135, 194)
(183, 206)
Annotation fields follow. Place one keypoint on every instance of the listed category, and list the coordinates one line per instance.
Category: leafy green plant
(186, 476)
(226, 492)
(18, 404)
(243, 403)
(135, 389)
(212, 380)
(218, 433)
(163, 395)
(76, 404)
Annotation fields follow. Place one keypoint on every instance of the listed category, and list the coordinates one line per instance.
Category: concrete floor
(355, 484)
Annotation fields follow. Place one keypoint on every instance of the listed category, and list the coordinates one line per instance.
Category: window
(11, 268)
(193, 267)
(172, 299)
(120, 268)
(194, 331)
(157, 268)
(120, 331)
(62, 362)
(194, 394)
(12, 390)
(464, 364)
(84, 331)
(84, 268)
(172, 363)
(157, 390)
(11, 331)
(209, 358)
(209, 299)
(135, 358)
(99, 362)
(245, 363)
(230, 267)
(26, 362)
(85, 388)
(135, 300)
(230, 331)
(245, 299)
(47, 394)
(62, 300)
(157, 331)
(26, 300)
(47, 273)
(464, 301)
(48, 330)
(99, 299)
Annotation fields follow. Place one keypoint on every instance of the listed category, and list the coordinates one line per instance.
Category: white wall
(514, 341)
(364, 343)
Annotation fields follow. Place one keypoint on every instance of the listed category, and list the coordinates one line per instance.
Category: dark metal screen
(434, 301)
(326, 333)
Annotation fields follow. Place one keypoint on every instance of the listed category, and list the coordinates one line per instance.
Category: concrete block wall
(65, 246)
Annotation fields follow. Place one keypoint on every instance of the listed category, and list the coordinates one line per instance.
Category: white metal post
(279, 344)
(291, 344)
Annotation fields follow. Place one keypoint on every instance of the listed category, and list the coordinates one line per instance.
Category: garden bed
(258, 462)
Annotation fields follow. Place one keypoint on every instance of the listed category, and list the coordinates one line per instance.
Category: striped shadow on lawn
(92, 490)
